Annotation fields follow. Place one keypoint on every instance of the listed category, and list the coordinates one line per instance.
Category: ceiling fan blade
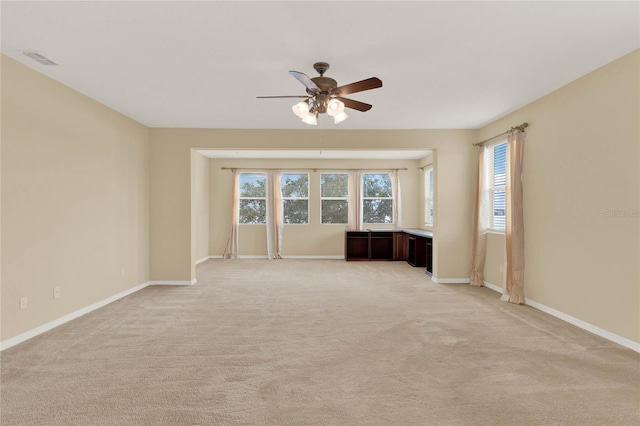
(359, 86)
(294, 96)
(304, 79)
(350, 103)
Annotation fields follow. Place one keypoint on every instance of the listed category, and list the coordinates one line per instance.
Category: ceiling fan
(325, 96)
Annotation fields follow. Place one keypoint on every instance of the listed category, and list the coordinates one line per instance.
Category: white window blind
(428, 196)
(496, 161)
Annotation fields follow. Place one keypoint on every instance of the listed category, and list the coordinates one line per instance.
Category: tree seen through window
(334, 192)
(377, 198)
(295, 197)
(253, 201)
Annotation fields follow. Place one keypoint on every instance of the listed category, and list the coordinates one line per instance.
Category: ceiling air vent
(40, 58)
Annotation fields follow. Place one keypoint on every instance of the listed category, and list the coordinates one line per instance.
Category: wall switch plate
(23, 303)
(56, 292)
(122, 271)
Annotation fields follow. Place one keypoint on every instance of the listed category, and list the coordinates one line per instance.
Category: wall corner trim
(622, 341)
(6, 344)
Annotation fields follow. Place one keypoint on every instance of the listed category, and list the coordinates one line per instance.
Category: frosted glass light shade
(334, 107)
(311, 119)
(301, 109)
(339, 118)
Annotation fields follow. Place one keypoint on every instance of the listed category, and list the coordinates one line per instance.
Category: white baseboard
(192, 282)
(318, 256)
(492, 287)
(623, 341)
(284, 256)
(450, 280)
(204, 259)
(66, 318)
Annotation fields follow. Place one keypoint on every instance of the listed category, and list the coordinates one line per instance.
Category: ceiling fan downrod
(321, 67)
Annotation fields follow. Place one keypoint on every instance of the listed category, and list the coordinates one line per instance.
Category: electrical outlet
(502, 267)
(122, 271)
(23, 302)
(56, 292)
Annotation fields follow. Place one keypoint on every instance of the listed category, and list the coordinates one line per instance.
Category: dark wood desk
(356, 245)
(417, 255)
(413, 245)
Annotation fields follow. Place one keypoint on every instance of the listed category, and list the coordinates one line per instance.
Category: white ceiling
(202, 64)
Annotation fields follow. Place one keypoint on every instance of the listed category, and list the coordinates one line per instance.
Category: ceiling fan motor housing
(326, 85)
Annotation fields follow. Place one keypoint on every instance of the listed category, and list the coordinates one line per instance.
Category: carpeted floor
(314, 342)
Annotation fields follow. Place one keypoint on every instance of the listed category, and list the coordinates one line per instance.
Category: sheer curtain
(397, 199)
(481, 213)
(514, 281)
(355, 200)
(275, 215)
(231, 249)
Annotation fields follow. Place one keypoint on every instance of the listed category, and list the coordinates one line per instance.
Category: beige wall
(170, 173)
(74, 200)
(314, 238)
(580, 162)
(201, 201)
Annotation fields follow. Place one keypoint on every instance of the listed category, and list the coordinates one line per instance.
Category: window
(334, 197)
(377, 198)
(253, 198)
(497, 166)
(428, 196)
(295, 197)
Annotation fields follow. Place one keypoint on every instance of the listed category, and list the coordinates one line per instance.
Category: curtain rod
(315, 169)
(519, 128)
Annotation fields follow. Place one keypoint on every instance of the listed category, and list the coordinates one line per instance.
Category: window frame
(284, 199)
(240, 198)
(322, 198)
(363, 198)
(493, 188)
(429, 205)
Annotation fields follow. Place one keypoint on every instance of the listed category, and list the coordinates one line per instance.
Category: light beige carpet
(313, 342)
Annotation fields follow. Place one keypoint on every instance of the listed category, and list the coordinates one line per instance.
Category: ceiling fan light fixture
(335, 107)
(311, 119)
(339, 118)
(301, 109)
(325, 96)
